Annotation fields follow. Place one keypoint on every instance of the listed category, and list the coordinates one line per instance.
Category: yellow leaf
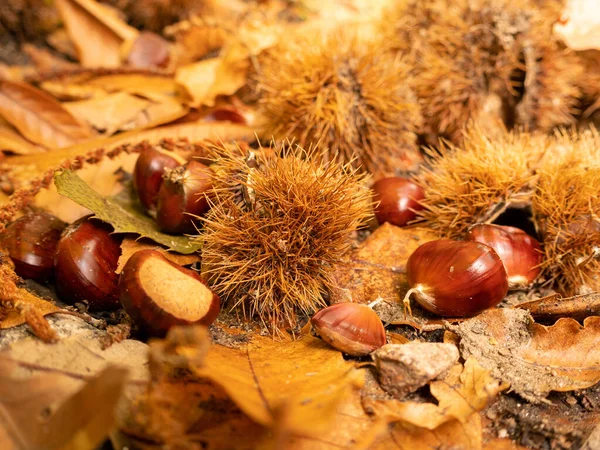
(276, 387)
(12, 141)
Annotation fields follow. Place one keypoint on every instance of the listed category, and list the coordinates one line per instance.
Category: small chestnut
(455, 278)
(182, 195)
(148, 172)
(149, 51)
(85, 264)
(398, 200)
(158, 294)
(352, 328)
(520, 253)
(31, 242)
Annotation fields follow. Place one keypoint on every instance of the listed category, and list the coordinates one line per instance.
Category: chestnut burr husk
(148, 174)
(352, 328)
(85, 264)
(31, 242)
(456, 278)
(183, 195)
(520, 253)
(398, 199)
(158, 294)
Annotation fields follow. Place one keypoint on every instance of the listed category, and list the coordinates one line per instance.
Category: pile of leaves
(85, 86)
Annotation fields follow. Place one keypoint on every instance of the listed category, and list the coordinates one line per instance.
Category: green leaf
(123, 219)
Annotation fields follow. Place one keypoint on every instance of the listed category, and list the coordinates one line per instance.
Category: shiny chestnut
(520, 253)
(31, 242)
(148, 173)
(352, 328)
(158, 294)
(398, 200)
(85, 264)
(455, 278)
(183, 194)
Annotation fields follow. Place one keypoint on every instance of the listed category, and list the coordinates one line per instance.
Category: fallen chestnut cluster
(448, 278)
(171, 189)
(82, 258)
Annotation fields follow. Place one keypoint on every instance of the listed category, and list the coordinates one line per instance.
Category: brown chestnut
(182, 195)
(31, 242)
(85, 264)
(148, 172)
(158, 294)
(398, 200)
(520, 253)
(352, 328)
(455, 278)
(149, 51)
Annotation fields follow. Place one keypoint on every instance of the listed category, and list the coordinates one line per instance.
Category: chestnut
(520, 253)
(31, 243)
(149, 51)
(455, 278)
(148, 174)
(226, 114)
(352, 328)
(85, 264)
(398, 200)
(158, 294)
(182, 195)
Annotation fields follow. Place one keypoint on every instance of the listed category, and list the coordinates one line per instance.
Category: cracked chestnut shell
(456, 278)
(158, 294)
(31, 242)
(352, 328)
(148, 174)
(520, 253)
(85, 264)
(183, 194)
(398, 200)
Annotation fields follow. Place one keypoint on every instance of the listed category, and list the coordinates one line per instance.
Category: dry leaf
(45, 61)
(60, 41)
(12, 141)
(79, 352)
(207, 79)
(95, 31)
(16, 317)
(39, 117)
(276, 387)
(130, 246)
(533, 358)
(194, 132)
(51, 411)
(554, 307)
(464, 392)
(123, 112)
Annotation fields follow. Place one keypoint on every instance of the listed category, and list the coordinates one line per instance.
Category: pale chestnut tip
(520, 253)
(352, 328)
(158, 294)
(456, 278)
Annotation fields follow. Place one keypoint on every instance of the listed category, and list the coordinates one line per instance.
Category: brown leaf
(96, 32)
(272, 385)
(12, 141)
(533, 358)
(39, 117)
(554, 307)
(52, 411)
(123, 112)
(130, 246)
(45, 61)
(464, 392)
(95, 83)
(194, 132)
